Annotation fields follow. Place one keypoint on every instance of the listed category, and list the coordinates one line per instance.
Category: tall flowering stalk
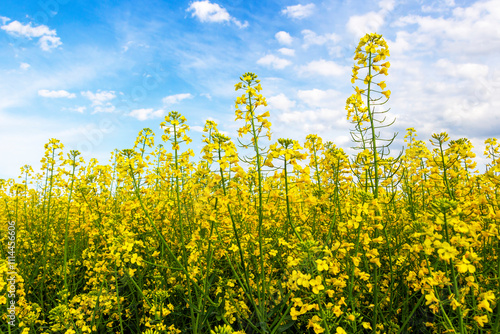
(73, 163)
(361, 109)
(49, 163)
(251, 99)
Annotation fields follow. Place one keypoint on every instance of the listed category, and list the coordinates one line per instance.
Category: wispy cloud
(324, 68)
(359, 25)
(311, 38)
(174, 99)
(205, 11)
(145, 114)
(101, 100)
(56, 94)
(287, 52)
(78, 109)
(47, 38)
(299, 11)
(99, 97)
(441, 6)
(24, 66)
(388, 5)
(319, 98)
(274, 62)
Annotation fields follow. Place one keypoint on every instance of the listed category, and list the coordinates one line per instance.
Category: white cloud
(451, 60)
(402, 43)
(197, 128)
(173, 99)
(4, 19)
(239, 24)
(287, 52)
(100, 100)
(144, 114)
(78, 109)
(274, 62)
(284, 38)
(468, 31)
(469, 71)
(317, 111)
(47, 38)
(107, 108)
(441, 6)
(49, 42)
(292, 117)
(100, 97)
(281, 102)
(360, 25)
(24, 66)
(315, 120)
(387, 5)
(311, 38)
(320, 98)
(19, 29)
(205, 11)
(56, 94)
(472, 71)
(299, 11)
(462, 87)
(324, 68)
(134, 44)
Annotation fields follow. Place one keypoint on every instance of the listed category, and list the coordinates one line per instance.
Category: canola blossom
(295, 238)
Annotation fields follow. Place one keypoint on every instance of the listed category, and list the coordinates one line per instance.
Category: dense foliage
(287, 240)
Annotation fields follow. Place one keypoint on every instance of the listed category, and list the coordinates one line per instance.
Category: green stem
(47, 229)
(181, 224)
(372, 128)
(67, 228)
(262, 293)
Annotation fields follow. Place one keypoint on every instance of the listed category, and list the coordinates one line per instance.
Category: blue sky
(94, 73)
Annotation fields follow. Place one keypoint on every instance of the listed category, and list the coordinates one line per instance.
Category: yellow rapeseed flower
(481, 320)
(340, 330)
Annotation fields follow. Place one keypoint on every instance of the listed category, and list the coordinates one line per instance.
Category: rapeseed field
(293, 238)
